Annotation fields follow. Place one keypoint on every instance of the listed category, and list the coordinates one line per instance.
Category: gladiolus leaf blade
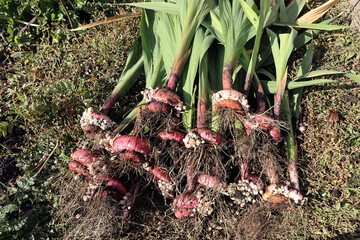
(250, 13)
(316, 26)
(270, 86)
(165, 7)
(318, 73)
(294, 9)
(307, 61)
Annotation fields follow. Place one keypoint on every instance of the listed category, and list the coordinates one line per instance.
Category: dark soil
(11, 146)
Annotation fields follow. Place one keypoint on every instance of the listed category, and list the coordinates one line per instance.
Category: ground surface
(71, 77)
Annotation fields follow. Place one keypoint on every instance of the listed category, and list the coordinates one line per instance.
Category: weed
(43, 94)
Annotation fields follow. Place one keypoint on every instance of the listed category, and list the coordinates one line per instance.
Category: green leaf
(316, 26)
(283, 12)
(271, 88)
(237, 30)
(281, 53)
(189, 114)
(192, 14)
(153, 61)
(306, 62)
(166, 7)
(202, 42)
(300, 40)
(133, 68)
(294, 85)
(317, 73)
(19, 21)
(20, 97)
(168, 37)
(266, 73)
(289, 139)
(250, 13)
(127, 120)
(308, 35)
(294, 9)
(295, 101)
(352, 77)
(216, 60)
(275, 48)
(272, 14)
(177, 32)
(264, 9)
(213, 24)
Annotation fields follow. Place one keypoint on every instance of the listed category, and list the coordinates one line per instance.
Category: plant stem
(277, 106)
(138, 121)
(190, 22)
(110, 102)
(294, 177)
(244, 170)
(133, 68)
(203, 94)
(252, 64)
(201, 114)
(264, 9)
(68, 16)
(260, 95)
(290, 143)
(176, 70)
(259, 91)
(279, 95)
(227, 80)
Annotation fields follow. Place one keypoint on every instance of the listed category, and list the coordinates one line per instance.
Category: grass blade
(354, 77)
(19, 21)
(272, 14)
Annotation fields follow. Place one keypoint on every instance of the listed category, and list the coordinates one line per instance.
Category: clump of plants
(238, 155)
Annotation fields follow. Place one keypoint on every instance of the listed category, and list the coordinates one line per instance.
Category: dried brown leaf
(106, 21)
(317, 13)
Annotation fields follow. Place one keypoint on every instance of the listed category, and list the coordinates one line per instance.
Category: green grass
(48, 89)
(329, 152)
(43, 94)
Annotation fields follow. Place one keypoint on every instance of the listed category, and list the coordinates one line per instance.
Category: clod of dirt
(351, 98)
